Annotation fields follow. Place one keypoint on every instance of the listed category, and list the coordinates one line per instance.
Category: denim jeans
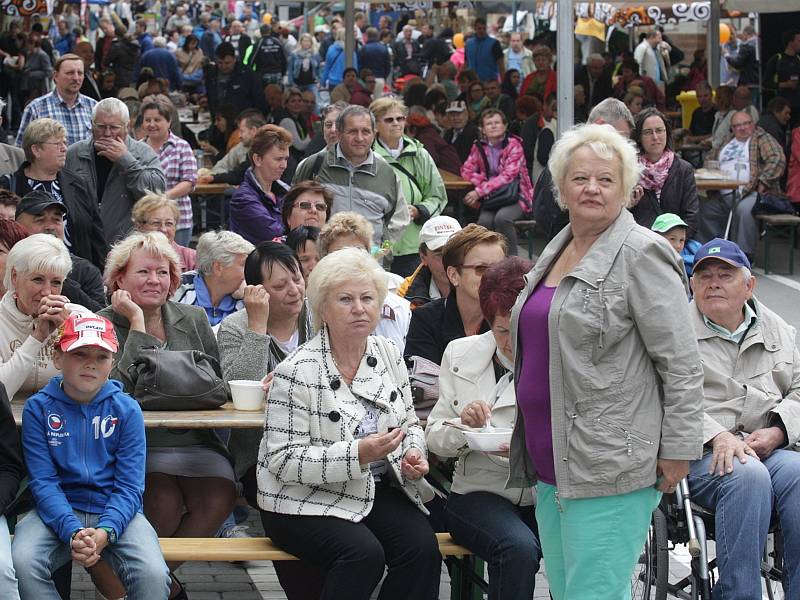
(135, 557)
(502, 534)
(8, 580)
(742, 503)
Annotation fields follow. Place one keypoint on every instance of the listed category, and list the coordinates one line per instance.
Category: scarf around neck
(655, 173)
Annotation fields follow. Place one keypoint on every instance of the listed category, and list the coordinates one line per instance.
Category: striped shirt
(178, 163)
(77, 120)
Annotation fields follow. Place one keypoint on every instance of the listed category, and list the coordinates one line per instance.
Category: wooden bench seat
(239, 549)
(779, 226)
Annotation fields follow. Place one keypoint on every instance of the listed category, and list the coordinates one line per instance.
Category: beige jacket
(467, 374)
(27, 364)
(308, 459)
(625, 377)
(748, 386)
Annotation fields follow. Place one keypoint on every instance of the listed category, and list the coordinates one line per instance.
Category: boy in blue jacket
(84, 446)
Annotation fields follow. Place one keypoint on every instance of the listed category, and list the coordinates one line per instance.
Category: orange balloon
(458, 40)
(724, 34)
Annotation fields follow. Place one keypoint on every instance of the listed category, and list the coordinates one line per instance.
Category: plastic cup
(247, 394)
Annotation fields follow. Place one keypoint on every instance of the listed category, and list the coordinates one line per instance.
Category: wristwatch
(112, 535)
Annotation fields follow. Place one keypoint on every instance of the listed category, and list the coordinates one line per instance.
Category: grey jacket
(11, 158)
(136, 173)
(748, 386)
(626, 384)
(371, 189)
(245, 354)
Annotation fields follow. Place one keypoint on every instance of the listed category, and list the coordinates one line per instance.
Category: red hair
(11, 232)
(500, 286)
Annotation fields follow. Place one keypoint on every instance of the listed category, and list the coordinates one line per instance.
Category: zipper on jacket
(630, 436)
(558, 502)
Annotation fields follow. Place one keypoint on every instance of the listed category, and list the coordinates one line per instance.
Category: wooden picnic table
(204, 191)
(223, 418)
(453, 182)
(722, 185)
(211, 189)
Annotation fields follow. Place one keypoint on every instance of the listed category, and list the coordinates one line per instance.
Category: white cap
(436, 231)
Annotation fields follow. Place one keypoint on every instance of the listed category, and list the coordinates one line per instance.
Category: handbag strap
(408, 174)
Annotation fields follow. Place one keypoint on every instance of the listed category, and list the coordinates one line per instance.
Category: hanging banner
(636, 13)
(25, 8)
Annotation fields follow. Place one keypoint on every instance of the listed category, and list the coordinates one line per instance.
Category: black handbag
(177, 380)
(770, 204)
(505, 196)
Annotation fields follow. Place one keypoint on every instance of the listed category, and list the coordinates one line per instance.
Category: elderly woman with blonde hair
(217, 286)
(158, 212)
(189, 485)
(423, 187)
(608, 377)
(342, 460)
(31, 311)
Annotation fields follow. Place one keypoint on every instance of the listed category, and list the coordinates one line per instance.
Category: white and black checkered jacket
(308, 458)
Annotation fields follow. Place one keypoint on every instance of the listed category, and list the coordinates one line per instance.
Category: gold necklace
(343, 371)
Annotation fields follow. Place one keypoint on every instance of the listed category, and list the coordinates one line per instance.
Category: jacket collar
(598, 260)
(761, 332)
(472, 359)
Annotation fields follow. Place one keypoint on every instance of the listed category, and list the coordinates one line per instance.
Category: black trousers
(352, 556)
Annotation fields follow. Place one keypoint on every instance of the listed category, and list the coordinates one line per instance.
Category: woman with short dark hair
(256, 203)
(667, 179)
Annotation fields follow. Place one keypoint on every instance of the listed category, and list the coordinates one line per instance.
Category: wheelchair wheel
(772, 567)
(649, 579)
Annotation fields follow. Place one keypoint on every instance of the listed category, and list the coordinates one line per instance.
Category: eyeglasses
(390, 120)
(160, 224)
(479, 269)
(318, 206)
(652, 132)
(61, 144)
(108, 128)
(740, 125)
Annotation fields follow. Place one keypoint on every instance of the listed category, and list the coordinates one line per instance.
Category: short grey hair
(610, 111)
(354, 110)
(38, 132)
(111, 106)
(596, 57)
(40, 252)
(607, 143)
(347, 264)
(159, 42)
(221, 247)
(336, 107)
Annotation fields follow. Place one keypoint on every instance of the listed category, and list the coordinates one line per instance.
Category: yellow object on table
(689, 104)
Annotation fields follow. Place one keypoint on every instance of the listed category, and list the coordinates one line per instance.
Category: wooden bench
(779, 226)
(525, 228)
(466, 581)
(236, 549)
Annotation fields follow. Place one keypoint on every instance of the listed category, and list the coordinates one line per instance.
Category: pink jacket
(512, 165)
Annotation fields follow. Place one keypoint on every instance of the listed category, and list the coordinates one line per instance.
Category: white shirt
(734, 160)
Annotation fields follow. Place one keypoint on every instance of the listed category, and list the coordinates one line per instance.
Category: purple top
(533, 388)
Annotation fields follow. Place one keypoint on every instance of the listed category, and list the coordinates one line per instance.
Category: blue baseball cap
(723, 250)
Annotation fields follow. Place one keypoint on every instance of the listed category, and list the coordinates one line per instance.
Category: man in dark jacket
(407, 54)
(462, 134)
(375, 56)
(11, 473)
(227, 84)
(436, 50)
(595, 79)
(746, 61)
(267, 58)
(39, 212)
(162, 62)
(782, 72)
(775, 121)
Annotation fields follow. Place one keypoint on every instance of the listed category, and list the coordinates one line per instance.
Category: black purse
(770, 204)
(505, 196)
(177, 380)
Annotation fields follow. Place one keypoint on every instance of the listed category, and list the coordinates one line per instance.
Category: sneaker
(236, 531)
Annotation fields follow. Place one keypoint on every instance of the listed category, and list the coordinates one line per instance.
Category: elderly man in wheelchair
(751, 424)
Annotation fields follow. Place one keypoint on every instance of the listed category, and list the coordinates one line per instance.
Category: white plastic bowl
(488, 441)
(247, 394)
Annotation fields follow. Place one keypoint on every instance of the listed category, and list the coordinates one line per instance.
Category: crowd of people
(381, 312)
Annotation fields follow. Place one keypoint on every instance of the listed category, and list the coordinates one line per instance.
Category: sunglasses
(318, 206)
(390, 120)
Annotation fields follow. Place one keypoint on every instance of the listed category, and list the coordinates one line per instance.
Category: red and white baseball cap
(87, 329)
